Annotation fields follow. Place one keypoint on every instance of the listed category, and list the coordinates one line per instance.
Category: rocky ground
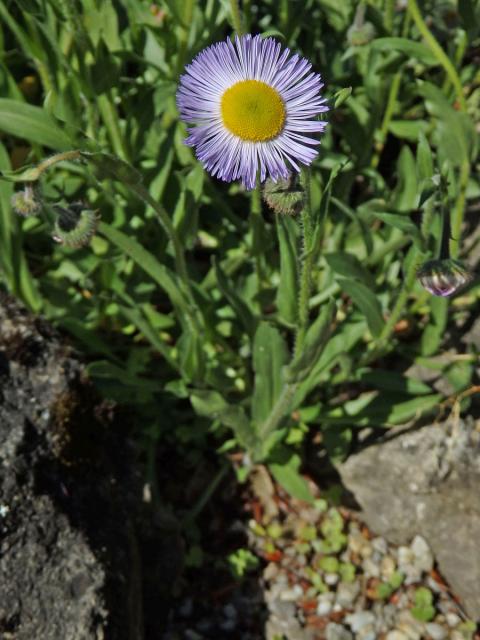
(324, 576)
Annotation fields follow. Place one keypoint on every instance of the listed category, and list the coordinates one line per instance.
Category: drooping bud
(26, 203)
(75, 226)
(284, 196)
(444, 277)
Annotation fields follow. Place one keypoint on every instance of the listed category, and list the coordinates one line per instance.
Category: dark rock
(426, 482)
(70, 500)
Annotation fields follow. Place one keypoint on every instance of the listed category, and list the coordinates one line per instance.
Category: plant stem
(256, 227)
(389, 13)
(236, 17)
(452, 74)
(306, 266)
(169, 229)
(278, 411)
(459, 209)
(438, 52)
(183, 39)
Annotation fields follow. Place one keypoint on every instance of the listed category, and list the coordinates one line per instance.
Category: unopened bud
(444, 277)
(360, 35)
(75, 226)
(284, 196)
(26, 203)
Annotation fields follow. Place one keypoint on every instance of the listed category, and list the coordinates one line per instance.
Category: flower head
(254, 109)
(27, 202)
(443, 277)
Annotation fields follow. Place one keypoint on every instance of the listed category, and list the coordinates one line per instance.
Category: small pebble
(324, 607)
(293, 594)
(436, 631)
(387, 567)
(335, 631)
(360, 619)
(370, 568)
(396, 635)
(452, 619)
(347, 593)
(331, 578)
(379, 544)
(423, 555)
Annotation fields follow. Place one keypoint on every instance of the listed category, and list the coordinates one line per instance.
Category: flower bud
(444, 277)
(284, 196)
(26, 203)
(359, 35)
(75, 226)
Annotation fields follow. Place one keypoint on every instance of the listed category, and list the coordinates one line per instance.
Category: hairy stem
(236, 17)
(306, 266)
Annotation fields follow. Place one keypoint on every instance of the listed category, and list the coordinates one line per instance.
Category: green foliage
(241, 562)
(195, 301)
(423, 608)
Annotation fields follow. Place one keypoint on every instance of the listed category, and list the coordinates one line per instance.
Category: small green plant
(241, 562)
(423, 608)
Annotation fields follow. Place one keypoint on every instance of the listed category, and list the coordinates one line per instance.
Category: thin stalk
(389, 13)
(391, 104)
(278, 412)
(438, 52)
(110, 119)
(236, 17)
(256, 228)
(165, 221)
(306, 266)
(459, 209)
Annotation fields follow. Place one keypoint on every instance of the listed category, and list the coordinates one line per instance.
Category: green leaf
(341, 96)
(111, 167)
(32, 124)
(408, 129)
(337, 440)
(286, 298)
(393, 381)
(270, 354)
(145, 260)
(315, 340)
(208, 404)
(349, 266)
(434, 332)
(405, 193)
(424, 159)
(409, 48)
(371, 409)
(191, 356)
(366, 301)
(240, 307)
(287, 475)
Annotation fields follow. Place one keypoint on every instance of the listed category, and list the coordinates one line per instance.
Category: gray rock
(359, 620)
(436, 631)
(347, 593)
(337, 632)
(425, 483)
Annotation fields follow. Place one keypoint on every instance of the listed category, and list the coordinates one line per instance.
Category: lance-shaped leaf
(270, 354)
(315, 340)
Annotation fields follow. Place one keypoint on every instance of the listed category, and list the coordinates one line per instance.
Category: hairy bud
(360, 35)
(444, 277)
(284, 196)
(26, 203)
(75, 226)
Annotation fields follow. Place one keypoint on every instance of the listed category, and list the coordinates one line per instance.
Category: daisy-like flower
(254, 108)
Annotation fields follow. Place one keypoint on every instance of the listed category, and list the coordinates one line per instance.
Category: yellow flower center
(253, 111)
